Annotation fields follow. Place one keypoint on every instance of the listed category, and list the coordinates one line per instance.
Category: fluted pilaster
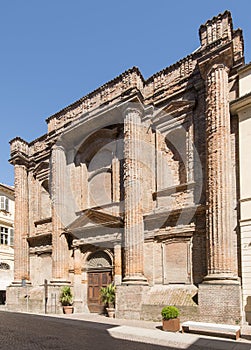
(115, 180)
(219, 179)
(117, 263)
(60, 253)
(134, 228)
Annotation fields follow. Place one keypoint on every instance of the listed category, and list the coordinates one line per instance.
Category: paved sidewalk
(151, 332)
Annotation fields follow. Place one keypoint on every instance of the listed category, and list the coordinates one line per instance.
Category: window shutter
(7, 204)
(2, 202)
(11, 236)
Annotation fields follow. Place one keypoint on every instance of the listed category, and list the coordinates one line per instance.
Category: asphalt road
(31, 332)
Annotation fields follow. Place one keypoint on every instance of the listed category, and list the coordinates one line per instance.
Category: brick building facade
(137, 183)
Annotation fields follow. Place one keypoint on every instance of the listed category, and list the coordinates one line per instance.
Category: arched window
(4, 266)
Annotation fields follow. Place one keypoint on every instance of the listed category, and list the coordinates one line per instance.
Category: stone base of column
(129, 299)
(135, 280)
(117, 280)
(21, 283)
(220, 302)
(59, 282)
(24, 298)
(221, 278)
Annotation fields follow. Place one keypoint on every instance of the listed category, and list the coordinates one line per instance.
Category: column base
(221, 278)
(24, 298)
(220, 302)
(129, 299)
(20, 283)
(135, 280)
(60, 282)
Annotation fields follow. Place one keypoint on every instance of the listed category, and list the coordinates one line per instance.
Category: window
(7, 235)
(4, 203)
(4, 266)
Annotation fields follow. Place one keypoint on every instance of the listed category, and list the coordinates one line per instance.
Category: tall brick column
(221, 279)
(60, 252)
(219, 179)
(134, 228)
(21, 256)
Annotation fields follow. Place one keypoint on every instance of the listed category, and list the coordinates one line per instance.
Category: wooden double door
(96, 280)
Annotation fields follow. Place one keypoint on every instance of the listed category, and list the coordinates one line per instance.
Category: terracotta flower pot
(171, 325)
(68, 309)
(110, 311)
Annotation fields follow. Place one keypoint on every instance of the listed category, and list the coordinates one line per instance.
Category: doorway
(99, 275)
(97, 280)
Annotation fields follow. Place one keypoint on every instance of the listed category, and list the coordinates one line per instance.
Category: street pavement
(151, 333)
(22, 331)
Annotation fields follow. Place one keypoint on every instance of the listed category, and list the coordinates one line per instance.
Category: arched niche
(176, 151)
(45, 200)
(96, 157)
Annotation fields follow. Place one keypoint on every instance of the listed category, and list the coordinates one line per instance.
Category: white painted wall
(7, 251)
(244, 114)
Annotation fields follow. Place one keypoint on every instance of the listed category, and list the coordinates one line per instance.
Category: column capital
(58, 146)
(19, 150)
(224, 57)
(132, 108)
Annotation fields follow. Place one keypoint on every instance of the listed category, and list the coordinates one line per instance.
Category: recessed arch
(99, 260)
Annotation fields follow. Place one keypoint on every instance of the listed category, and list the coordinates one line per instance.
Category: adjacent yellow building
(6, 239)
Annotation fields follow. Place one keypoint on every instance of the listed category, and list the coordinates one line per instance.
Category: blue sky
(55, 51)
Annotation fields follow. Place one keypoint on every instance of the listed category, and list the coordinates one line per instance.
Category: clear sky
(53, 52)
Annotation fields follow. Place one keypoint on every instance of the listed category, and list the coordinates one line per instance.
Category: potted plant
(170, 320)
(108, 298)
(66, 299)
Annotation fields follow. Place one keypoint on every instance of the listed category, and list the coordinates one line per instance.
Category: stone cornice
(6, 223)
(19, 151)
(244, 68)
(108, 85)
(166, 213)
(240, 103)
(40, 240)
(173, 189)
(8, 189)
(170, 233)
(19, 159)
(41, 249)
(43, 221)
(98, 240)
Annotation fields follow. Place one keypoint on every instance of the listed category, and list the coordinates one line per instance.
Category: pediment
(92, 218)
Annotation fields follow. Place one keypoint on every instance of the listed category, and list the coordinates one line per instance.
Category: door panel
(96, 280)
